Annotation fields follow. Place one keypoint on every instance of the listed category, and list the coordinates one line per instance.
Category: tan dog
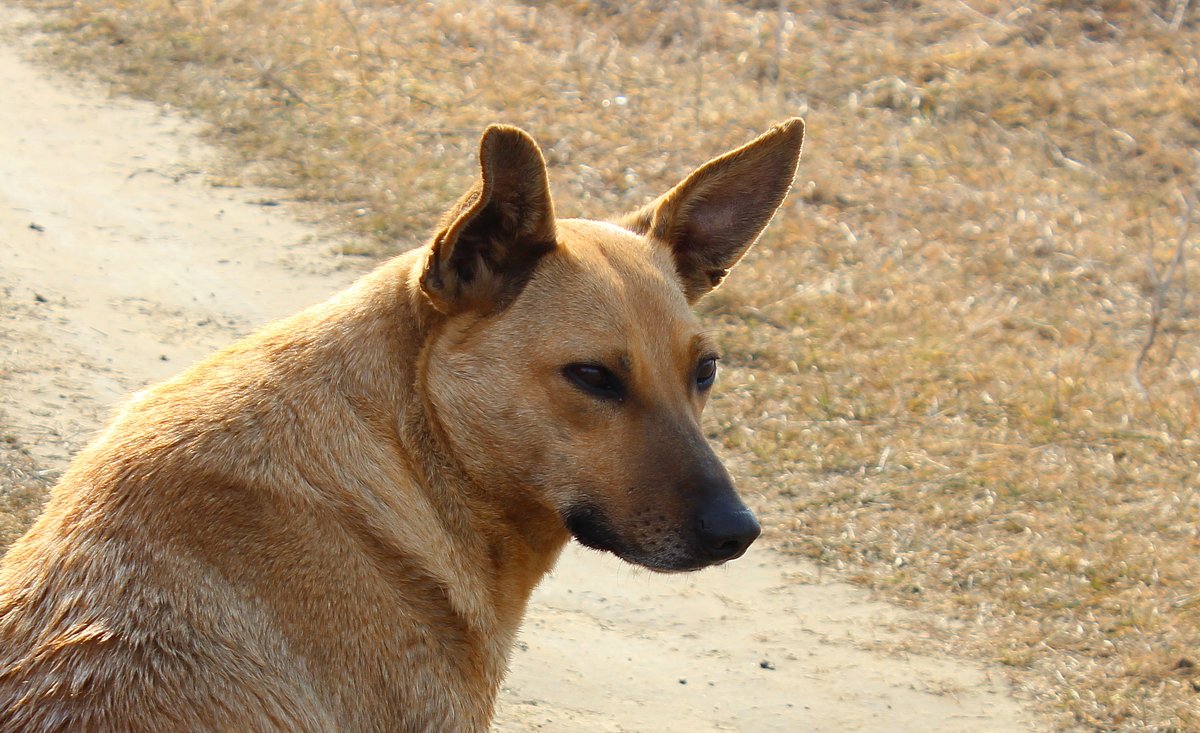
(335, 524)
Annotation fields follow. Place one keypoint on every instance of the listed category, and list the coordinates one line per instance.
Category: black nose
(726, 534)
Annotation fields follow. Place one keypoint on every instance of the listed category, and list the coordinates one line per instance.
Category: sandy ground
(120, 265)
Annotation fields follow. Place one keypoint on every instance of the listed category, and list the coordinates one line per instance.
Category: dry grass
(934, 346)
(22, 489)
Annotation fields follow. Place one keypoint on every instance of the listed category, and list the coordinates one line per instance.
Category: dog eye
(706, 372)
(595, 380)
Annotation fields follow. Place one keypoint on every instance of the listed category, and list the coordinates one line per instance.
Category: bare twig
(987, 18)
(1179, 11)
(173, 177)
(266, 71)
(1162, 288)
(1058, 156)
(781, 39)
(360, 54)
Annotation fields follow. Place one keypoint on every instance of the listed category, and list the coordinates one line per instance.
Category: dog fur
(335, 524)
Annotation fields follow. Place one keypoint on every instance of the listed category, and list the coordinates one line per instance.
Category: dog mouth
(592, 528)
(588, 525)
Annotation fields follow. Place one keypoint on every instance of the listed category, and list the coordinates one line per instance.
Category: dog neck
(500, 548)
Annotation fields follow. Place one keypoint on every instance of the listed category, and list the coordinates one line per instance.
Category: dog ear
(490, 241)
(712, 217)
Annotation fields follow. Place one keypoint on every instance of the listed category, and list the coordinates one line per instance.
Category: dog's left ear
(490, 241)
(712, 217)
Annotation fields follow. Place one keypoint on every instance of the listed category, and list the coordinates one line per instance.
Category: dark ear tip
(792, 123)
(499, 130)
(792, 129)
(497, 138)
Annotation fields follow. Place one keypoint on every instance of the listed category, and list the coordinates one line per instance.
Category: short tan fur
(335, 523)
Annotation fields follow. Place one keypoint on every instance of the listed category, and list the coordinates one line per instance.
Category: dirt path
(119, 266)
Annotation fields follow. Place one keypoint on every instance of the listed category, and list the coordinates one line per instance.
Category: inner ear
(712, 217)
(491, 240)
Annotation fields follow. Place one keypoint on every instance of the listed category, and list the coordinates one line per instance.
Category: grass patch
(22, 489)
(931, 354)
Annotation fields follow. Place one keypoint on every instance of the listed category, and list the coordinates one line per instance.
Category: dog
(335, 524)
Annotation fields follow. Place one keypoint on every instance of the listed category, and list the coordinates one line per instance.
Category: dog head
(569, 373)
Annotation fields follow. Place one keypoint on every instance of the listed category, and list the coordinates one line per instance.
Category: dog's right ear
(489, 242)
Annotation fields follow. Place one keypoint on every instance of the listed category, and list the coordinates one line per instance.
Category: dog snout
(727, 532)
(725, 528)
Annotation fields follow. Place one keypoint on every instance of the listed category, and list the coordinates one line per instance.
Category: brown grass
(22, 488)
(930, 357)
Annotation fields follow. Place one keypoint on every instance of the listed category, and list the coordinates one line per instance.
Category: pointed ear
(489, 242)
(712, 217)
